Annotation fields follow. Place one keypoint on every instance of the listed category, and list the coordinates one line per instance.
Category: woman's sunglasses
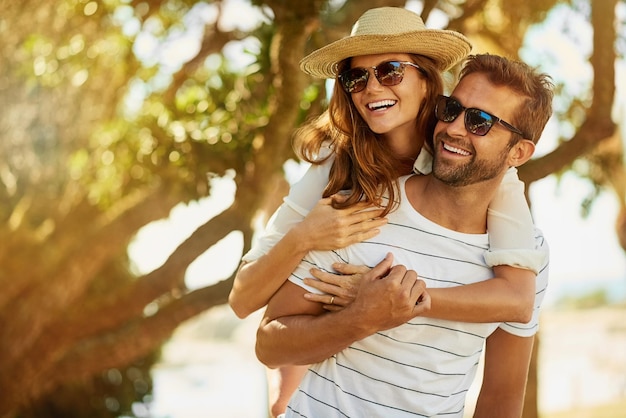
(388, 73)
(477, 121)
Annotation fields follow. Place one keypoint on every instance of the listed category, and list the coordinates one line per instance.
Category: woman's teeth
(381, 104)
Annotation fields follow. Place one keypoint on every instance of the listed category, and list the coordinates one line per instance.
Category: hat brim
(444, 47)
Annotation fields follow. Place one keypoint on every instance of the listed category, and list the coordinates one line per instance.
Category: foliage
(110, 121)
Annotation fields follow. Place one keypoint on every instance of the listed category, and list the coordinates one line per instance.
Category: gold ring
(332, 299)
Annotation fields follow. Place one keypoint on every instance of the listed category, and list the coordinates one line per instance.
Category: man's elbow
(264, 359)
(264, 355)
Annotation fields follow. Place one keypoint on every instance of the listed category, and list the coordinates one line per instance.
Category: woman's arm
(515, 260)
(295, 331)
(324, 228)
(509, 297)
(303, 223)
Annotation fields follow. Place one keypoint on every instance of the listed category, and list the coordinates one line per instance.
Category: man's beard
(472, 172)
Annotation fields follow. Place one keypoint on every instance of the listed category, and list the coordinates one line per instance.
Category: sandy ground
(209, 368)
(583, 363)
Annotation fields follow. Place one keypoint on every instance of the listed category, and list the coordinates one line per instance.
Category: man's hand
(295, 330)
(388, 297)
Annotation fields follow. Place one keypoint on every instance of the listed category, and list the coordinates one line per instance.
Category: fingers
(342, 197)
(419, 296)
(324, 277)
(423, 305)
(359, 225)
(326, 201)
(359, 233)
(344, 268)
(381, 269)
(364, 210)
(327, 288)
(329, 229)
(361, 215)
(342, 285)
(357, 213)
(326, 300)
(412, 286)
(339, 197)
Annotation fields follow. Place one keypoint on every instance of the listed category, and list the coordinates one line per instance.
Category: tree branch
(598, 125)
(80, 265)
(50, 367)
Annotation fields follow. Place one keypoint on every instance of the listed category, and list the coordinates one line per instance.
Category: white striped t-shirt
(425, 367)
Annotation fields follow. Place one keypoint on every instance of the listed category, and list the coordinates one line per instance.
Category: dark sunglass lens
(478, 122)
(390, 73)
(448, 109)
(354, 80)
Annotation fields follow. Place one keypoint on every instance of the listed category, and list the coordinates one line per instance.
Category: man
(379, 356)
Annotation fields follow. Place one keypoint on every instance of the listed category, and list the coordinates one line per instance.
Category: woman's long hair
(364, 164)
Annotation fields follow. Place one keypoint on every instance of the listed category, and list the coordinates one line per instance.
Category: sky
(585, 253)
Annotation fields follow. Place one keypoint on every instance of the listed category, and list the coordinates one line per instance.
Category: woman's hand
(340, 289)
(326, 228)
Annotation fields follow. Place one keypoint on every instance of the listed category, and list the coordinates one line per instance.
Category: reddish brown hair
(364, 163)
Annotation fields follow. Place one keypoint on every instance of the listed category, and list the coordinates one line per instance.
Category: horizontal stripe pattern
(424, 367)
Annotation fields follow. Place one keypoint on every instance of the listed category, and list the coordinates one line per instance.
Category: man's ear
(521, 152)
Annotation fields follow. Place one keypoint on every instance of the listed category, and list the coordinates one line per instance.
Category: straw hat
(388, 30)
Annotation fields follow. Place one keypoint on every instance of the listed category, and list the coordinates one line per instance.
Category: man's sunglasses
(388, 73)
(477, 121)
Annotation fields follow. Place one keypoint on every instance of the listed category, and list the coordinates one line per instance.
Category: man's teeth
(381, 104)
(455, 150)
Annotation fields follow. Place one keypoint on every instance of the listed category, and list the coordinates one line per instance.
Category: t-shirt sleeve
(511, 228)
(529, 329)
(303, 196)
(280, 222)
(424, 162)
(306, 192)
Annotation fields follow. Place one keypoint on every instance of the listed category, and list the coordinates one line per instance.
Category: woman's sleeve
(423, 163)
(305, 193)
(303, 196)
(511, 227)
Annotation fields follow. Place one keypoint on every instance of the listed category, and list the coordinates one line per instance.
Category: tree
(100, 139)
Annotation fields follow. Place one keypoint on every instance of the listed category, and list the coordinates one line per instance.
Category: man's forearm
(501, 407)
(507, 358)
(296, 331)
(306, 339)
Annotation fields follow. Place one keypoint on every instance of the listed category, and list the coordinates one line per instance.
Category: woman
(380, 116)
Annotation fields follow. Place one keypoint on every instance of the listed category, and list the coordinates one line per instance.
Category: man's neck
(462, 209)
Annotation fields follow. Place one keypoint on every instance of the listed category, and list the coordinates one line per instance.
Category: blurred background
(145, 142)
